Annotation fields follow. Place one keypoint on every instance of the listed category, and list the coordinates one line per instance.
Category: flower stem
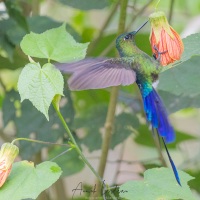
(171, 10)
(74, 144)
(156, 6)
(37, 141)
(139, 13)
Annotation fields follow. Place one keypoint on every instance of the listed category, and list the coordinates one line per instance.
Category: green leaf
(54, 44)
(28, 122)
(158, 184)
(40, 85)
(15, 12)
(5, 43)
(27, 181)
(191, 46)
(122, 128)
(194, 184)
(86, 4)
(17, 60)
(145, 138)
(70, 162)
(175, 103)
(182, 81)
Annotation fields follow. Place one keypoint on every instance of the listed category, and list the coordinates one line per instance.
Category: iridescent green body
(146, 67)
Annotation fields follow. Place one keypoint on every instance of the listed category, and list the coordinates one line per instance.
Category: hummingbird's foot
(157, 52)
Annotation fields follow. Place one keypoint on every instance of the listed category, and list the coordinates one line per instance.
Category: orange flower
(164, 39)
(8, 153)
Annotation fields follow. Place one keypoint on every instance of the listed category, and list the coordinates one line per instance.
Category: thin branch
(110, 46)
(138, 13)
(129, 162)
(105, 25)
(171, 10)
(119, 163)
(36, 7)
(111, 108)
(107, 49)
(134, 161)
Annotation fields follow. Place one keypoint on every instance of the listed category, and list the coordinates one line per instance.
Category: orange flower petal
(3, 175)
(165, 41)
(168, 40)
(176, 48)
(8, 153)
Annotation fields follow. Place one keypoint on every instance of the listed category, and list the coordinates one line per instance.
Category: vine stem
(156, 6)
(73, 142)
(119, 163)
(111, 109)
(37, 141)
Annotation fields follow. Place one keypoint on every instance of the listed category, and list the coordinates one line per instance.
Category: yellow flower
(164, 39)
(8, 153)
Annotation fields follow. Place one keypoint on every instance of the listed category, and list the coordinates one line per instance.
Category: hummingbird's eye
(127, 37)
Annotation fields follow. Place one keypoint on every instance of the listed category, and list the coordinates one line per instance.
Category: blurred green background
(132, 149)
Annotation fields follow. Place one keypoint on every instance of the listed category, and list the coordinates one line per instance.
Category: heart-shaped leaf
(27, 181)
(54, 44)
(40, 85)
(158, 184)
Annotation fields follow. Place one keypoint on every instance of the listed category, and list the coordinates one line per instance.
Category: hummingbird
(133, 66)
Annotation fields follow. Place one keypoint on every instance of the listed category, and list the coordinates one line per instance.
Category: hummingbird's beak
(141, 27)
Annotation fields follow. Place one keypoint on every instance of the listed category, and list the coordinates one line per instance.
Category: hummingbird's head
(127, 40)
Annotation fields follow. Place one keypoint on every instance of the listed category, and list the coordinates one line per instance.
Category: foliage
(35, 42)
(69, 163)
(43, 130)
(158, 183)
(24, 175)
(52, 45)
(49, 83)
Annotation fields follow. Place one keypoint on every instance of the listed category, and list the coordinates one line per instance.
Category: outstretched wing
(98, 73)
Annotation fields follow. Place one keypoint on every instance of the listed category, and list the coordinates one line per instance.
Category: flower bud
(8, 153)
(164, 39)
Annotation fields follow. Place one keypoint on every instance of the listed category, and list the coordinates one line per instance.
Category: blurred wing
(99, 73)
(79, 65)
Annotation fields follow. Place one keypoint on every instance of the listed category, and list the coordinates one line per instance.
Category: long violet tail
(157, 115)
(172, 164)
